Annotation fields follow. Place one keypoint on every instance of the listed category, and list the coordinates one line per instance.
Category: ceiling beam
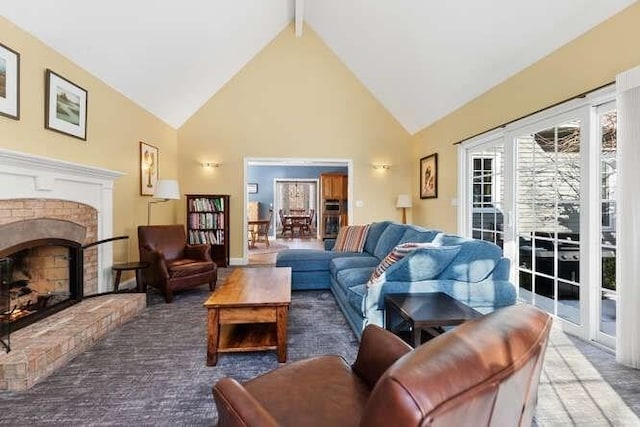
(299, 17)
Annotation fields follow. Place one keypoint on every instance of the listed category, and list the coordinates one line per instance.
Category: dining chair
(286, 223)
(262, 229)
(307, 226)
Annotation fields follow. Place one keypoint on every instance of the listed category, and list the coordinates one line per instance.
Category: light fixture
(404, 202)
(381, 166)
(166, 189)
(210, 165)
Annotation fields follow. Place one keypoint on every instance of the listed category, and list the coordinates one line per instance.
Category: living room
(291, 97)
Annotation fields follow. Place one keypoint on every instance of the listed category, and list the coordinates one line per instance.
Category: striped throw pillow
(394, 256)
(351, 238)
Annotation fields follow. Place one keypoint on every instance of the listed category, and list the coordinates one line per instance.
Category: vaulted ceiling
(420, 59)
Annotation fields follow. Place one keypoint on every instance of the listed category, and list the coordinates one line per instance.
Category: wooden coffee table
(427, 312)
(249, 312)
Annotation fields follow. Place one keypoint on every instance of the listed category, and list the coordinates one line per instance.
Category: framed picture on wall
(9, 83)
(148, 169)
(429, 177)
(252, 188)
(65, 108)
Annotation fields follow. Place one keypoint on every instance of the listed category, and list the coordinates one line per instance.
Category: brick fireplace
(49, 209)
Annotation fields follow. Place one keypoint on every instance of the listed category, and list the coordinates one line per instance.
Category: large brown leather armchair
(483, 373)
(174, 265)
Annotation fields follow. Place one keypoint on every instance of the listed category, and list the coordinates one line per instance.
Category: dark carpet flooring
(152, 370)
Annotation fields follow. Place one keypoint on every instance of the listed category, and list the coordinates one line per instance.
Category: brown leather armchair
(174, 264)
(483, 373)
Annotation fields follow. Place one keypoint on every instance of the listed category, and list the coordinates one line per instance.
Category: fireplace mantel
(28, 176)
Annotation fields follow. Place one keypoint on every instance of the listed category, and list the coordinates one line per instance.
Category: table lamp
(166, 189)
(404, 202)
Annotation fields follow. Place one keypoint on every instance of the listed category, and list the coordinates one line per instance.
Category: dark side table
(428, 312)
(128, 266)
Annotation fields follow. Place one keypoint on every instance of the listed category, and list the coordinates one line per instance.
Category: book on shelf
(212, 237)
(206, 220)
(206, 204)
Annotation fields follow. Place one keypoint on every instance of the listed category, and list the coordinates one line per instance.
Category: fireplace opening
(39, 278)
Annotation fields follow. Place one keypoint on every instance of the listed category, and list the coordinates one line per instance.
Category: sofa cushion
(309, 259)
(351, 238)
(431, 261)
(389, 239)
(375, 231)
(423, 263)
(353, 276)
(342, 263)
(188, 267)
(415, 234)
(476, 260)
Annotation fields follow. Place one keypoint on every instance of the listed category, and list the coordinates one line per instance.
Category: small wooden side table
(427, 312)
(128, 266)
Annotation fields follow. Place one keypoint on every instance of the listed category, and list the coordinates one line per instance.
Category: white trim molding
(26, 176)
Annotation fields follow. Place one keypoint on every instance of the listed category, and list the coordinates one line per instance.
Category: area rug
(261, 248)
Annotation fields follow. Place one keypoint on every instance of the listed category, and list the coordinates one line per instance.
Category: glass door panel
(608, 177)
(486, 166)
(548, 219)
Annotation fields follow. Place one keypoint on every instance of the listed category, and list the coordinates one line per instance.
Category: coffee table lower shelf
(248, 337)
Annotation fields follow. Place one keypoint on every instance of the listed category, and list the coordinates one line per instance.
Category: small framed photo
(252, 188)
(148, 169)
(65, 109)
(9, 83)
(429, 177)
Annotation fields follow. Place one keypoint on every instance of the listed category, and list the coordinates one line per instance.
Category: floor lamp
(404, 202)
(166, 189)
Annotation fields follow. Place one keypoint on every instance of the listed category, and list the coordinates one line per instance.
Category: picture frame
(9, 83)
(65, 109)
(149, 168)
(429, 177)
(252, 188)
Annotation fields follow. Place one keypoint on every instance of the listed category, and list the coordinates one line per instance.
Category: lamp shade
(404, 201)
(167, 189)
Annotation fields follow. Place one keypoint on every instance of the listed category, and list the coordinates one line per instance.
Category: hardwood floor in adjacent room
(262, 255)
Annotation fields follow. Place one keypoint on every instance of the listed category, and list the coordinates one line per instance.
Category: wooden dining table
(298, 220)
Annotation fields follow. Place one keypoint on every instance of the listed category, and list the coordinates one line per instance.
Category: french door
(545, 191)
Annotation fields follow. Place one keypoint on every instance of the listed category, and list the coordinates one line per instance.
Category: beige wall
(115, 126)
(587, 62)
(295, 99)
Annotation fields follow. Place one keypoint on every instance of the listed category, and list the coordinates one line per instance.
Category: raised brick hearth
(38, 349)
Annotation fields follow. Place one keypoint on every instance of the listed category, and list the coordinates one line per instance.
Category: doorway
(264, 173)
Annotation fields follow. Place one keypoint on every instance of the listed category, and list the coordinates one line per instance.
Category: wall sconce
(404, 202)
(381, 166)
(210, 165)
(166, 189)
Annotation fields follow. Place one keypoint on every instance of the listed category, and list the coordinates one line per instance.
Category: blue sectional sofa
(472, 271)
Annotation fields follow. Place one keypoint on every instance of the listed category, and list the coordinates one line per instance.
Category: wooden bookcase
(208, 222)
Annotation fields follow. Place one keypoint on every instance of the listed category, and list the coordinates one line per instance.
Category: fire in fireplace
(39, 280)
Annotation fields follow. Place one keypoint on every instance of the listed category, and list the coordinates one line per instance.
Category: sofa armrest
(199, 252)
(329, 244)
(236, 407)
(378, 350)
